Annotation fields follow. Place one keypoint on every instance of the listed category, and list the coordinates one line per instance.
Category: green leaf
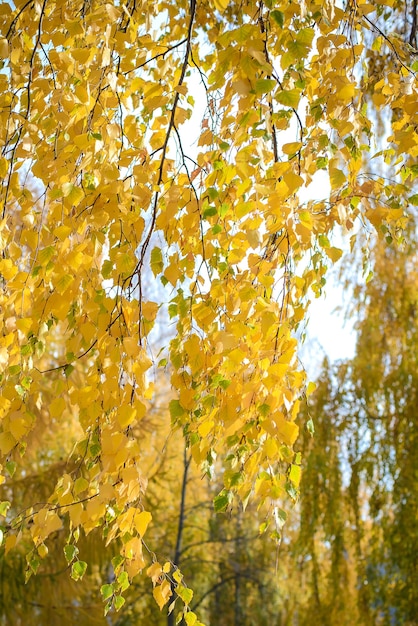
(280, 517)
(78, 570)
(11, 468)
(117, 562)
(190, 618)
(108, 607)
(291, 490)
(184, 593)
(369, 277)
(176, 410)
(324, 241)
(210, 212)
(289, 98)
(46, 254)
(106, 591)
(4, 507)
(80, 485)
(321, 163)
(264, 409)
(264, 85)
(94, 450)
(305, 36)
(221, 501)
(337, 177)
(172, 310)
(107, 268)
(119, 601)
(68, 369)
(123, 580)
(263, 527)
(20, 390)
(33, 562)
(278, 17)
(157, 264)
(26, 382)
(70, 552)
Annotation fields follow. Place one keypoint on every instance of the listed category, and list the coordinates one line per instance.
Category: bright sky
(327, 333)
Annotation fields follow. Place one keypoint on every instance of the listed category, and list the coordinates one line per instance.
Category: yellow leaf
(131, 346)
(4, 166)
(306, 219)
(172, 273)
(185, 594)
(295, 475)
(43, 550)
(57, 407)
(337, 177)
(82, 55)
(178, 576)
(20, 425)
(154, 572)
(92, 514)
(293, 181)
(190, 618)
(63, 283)
(291, 148)
(135, 560)
(162, 594)
(149, 311)
(7, 269)
(80, 485)
(205, 428)
(310, 388)
(141, 522)
(181, 89)
(288, 431)
(126, 415)
(10, 543)
(44, 523)
(82, 94)
(347, 92)
(333, 253)
(221, 5)
(4, 51)
(186, 398)
(75, 511)
(73, 193)
(81, 142)
(30, 238)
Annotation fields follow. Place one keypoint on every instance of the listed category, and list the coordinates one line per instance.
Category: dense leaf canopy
(156, 163)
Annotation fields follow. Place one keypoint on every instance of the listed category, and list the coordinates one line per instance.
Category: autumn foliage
(160, 241)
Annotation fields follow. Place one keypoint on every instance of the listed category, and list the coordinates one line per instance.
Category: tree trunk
(180, 528)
